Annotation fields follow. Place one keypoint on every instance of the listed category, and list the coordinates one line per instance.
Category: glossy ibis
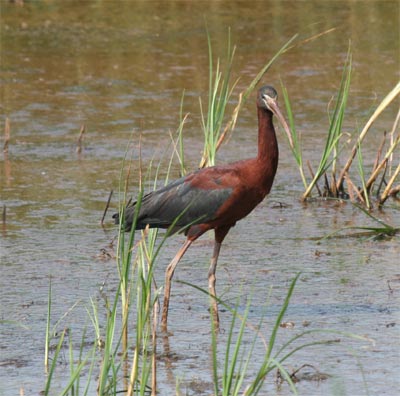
(213, 198)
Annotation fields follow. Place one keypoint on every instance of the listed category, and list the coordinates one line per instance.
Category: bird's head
(267, 98)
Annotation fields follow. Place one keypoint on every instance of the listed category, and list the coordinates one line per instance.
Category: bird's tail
(127, 220)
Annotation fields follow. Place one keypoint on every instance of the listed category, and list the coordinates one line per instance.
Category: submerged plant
(383, 230)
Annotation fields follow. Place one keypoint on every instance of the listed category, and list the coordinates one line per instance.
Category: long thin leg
(220, 234)
(211, 283)
(169, 273)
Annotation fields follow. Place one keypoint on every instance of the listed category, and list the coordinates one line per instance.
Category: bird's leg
(220, 234)
(169, 273)
(211, 283)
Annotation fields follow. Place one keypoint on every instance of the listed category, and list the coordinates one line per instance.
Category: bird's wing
(193, 199)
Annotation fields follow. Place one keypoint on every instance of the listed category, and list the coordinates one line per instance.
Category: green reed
(94, 318)
(180, 153)
(52, 368)
(47, 334)
(73, 384)
(330, 151)
(379, 231)
(139, 294)
(232, 375)
(334, 149)
(219, 94)
(134, 297)
(295, 146)
(361, 172)
(234, 366)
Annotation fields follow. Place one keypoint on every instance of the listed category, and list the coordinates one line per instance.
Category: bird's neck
(267, 144)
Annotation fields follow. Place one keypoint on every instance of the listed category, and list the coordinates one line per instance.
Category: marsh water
(120, 69)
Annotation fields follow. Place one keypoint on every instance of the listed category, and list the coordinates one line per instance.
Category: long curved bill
(273, 105)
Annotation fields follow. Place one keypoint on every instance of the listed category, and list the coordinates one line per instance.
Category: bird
(212, 198)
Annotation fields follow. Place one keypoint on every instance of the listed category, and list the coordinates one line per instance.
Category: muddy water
(119, 67)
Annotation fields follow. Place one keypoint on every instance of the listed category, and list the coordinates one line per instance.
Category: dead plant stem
(106, 208)
(353, 188)
(385, 103)
(80, 139)
(388, 188)
(382, 164)
(379, 153)
(378, 191)
(312, 177)
(395, 126)
(6, 135)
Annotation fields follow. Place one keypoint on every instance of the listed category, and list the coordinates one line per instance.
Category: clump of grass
(394, 141)
(328, 168)
(135, 302)
(73, 382)
(231, 372)
(135, 268)
(219, 94)
(331, 149)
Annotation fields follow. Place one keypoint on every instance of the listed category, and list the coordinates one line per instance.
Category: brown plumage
(215, 197)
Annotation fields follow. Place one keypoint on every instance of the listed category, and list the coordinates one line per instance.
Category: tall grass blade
(95, 322)
(362, 176)
(384, 228)
(219, 92)
(89, 375)
(231, 380)
(391, 136)
(181, 152)
(335, 128)
(285, 47)
(243, 96)
(47, 336)
(107, 363)
(383, 163)
(53, 364)
(267, 365)
(295, 146)
(388, 188)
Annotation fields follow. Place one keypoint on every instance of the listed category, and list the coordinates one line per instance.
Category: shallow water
(122, 67)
